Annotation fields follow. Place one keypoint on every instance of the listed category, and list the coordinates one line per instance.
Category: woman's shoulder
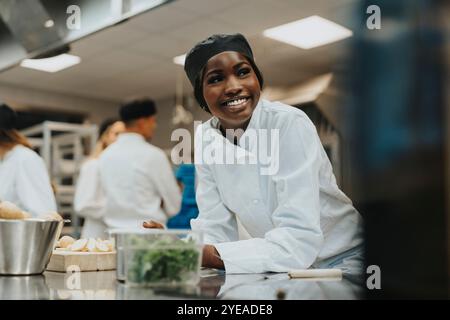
(25, 157)
(276, 114)
(20, 152)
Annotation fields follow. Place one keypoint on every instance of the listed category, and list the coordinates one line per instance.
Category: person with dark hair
(24, 179)
(279, 185)
(136, 176)
(89, 200)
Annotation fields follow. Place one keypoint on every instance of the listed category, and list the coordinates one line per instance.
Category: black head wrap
(8, 117)
(198, 56)
(137, 109)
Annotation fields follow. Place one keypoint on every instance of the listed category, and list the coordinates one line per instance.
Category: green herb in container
(159, 258)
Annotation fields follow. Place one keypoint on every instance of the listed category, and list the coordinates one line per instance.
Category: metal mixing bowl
(27, 245)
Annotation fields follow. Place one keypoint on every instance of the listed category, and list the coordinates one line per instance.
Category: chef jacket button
(255, 201)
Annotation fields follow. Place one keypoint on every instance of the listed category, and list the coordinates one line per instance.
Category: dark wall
(398, 122)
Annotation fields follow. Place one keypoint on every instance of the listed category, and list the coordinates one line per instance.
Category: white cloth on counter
(89, 200)
(24, 181)
(297, 216)
(138, 183)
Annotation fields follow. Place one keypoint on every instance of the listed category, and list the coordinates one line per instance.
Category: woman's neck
(223, 126)
(233, 134)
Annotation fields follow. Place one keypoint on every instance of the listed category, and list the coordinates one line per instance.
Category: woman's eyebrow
(238, 65)
(218, 70)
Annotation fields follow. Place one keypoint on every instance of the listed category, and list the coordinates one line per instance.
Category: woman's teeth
(236, 102)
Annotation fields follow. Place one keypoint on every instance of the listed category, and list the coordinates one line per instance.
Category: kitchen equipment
(64, 261)
(119, 237)
(26, 245)
(155, 257)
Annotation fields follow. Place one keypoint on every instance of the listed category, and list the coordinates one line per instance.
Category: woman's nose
(233, 86)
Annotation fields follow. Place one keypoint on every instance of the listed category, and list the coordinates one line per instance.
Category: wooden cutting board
(61, 261)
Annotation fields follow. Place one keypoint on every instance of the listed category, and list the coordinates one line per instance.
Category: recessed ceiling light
(53, 64)
(180, 59)
(309, 33)
(49, 23)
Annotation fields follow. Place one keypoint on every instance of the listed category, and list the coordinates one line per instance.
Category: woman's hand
(152, 225)
(211, 258)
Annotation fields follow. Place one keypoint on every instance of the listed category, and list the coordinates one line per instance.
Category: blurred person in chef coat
(24, 178)
(296, 216)
(136, 176)
(89, 201)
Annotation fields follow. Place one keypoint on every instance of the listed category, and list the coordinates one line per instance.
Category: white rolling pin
(316, 273)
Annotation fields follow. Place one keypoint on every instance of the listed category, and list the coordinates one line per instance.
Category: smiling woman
(296, 216)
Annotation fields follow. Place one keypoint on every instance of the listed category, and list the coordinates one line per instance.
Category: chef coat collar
(130, 136)
(254, 120)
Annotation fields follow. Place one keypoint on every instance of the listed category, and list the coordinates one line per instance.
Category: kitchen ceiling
(135, 58)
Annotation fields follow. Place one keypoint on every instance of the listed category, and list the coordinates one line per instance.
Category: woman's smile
(236, 104)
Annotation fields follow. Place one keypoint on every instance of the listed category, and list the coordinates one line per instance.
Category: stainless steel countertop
(213, 284)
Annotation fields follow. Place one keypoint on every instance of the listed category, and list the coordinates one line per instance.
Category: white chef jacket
(24, 181)
(297, 216)
(89, 200)
(137, 178)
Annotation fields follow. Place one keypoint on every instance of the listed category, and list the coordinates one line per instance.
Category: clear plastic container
(162, 257)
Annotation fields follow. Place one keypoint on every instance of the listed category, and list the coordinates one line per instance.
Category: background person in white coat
(136, 176)
(296, 215)
(89, 201)
(24, 179)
